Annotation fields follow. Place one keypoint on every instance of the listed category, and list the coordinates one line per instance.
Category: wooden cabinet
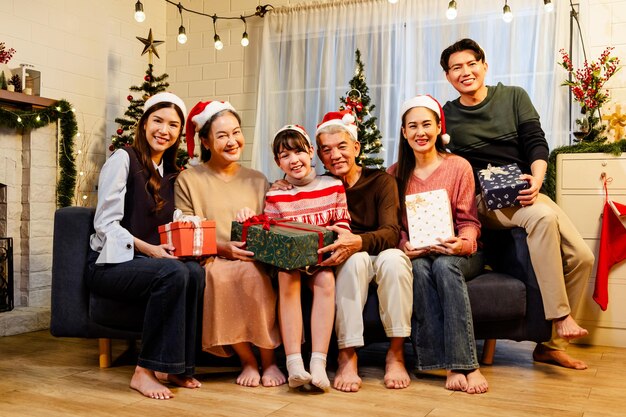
(580, 194)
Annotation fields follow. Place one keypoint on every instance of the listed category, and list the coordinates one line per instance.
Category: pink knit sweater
(455, 175)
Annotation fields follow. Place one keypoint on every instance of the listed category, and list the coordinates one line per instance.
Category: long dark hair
(205, 153)
(143, 150)
(406, 158)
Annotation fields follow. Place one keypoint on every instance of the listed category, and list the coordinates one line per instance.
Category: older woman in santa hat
(239, 301)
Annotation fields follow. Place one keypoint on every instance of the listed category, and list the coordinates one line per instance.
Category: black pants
(173, 292)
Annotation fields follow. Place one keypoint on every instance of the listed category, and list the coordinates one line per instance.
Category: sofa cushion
(497, 297)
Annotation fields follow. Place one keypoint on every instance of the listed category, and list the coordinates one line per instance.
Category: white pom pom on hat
(199, 115)
(343, 118)
(430, 103)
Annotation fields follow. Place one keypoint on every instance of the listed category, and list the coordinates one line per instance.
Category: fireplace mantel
(22, 100)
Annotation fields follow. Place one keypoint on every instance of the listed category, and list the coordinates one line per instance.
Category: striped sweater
(321, 202)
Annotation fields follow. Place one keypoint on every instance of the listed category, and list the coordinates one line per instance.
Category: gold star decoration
(616, 122)
(150, 46)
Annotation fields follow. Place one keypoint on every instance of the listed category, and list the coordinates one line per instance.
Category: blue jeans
(442, 327)
(173, 291)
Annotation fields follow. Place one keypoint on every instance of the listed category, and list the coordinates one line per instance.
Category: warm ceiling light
(451, 12)
(548, 6)
(507, 15)
(140, 16)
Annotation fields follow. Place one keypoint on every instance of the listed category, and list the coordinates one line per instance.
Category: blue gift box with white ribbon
(500, 186)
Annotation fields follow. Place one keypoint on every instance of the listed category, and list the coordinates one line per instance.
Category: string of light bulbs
(260, 11)
(507, 14)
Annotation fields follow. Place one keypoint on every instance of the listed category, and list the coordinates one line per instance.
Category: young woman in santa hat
(442, 317)
(239, 302)
(127, 261)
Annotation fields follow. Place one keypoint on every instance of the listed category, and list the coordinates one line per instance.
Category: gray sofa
(505, 304)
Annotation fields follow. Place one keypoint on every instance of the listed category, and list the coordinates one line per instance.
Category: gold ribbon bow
(489, 171)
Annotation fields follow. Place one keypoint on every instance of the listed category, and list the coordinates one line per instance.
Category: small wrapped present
(282, 243)
(429, 218)
(189, 235)
(500, 186)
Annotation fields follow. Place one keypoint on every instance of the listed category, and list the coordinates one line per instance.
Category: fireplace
(28, 173)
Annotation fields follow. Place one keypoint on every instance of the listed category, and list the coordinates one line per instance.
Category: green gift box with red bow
(282, 243)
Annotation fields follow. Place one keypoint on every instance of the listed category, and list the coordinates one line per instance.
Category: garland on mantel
(614, 148)
(33, 119)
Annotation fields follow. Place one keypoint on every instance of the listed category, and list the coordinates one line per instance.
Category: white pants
(392, 272)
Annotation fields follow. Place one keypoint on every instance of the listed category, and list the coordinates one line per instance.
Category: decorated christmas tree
(152, 84)
(358, 100)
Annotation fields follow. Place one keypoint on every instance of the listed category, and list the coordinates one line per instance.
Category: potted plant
(5, 57)
(587, 85)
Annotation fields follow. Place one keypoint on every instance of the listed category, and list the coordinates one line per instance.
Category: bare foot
(347, 375)
(180, 380)
(568, 329)
(273, 377)
(249, 376)
(146, 383)
(396, 376)
(559, 357)
(455, 381)
(476, 382)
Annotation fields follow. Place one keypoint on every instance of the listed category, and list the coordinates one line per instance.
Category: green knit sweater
(503, 129)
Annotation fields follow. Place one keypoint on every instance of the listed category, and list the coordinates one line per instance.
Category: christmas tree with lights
(152, 84)
(357, 100)
(126, 131)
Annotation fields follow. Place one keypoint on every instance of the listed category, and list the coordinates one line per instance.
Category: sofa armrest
(70, 296)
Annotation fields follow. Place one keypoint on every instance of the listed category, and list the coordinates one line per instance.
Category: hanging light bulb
(218, 42)
(216, 38)
(244, 38)
(38, 118)
(140, 16)
(19, 119)
(182, 34)
(548, 6)
(451, 12)
(507, 15)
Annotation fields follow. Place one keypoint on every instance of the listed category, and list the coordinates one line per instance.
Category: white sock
(319, 378)
(298, 376)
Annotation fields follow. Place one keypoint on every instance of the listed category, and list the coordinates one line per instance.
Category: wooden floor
(44, 376)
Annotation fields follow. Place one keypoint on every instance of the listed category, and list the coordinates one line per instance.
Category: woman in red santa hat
(442, 318)
(239, 302)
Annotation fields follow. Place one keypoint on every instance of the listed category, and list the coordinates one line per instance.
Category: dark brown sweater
(374, 207)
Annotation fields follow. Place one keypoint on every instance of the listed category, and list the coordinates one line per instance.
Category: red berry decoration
(147, 78)
(129, 97)
(120, 131)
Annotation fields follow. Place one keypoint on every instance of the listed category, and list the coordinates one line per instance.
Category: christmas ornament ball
(129, 97)
(120, 131)
(146, 78)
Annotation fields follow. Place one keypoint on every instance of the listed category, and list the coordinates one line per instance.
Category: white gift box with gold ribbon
(429, 218)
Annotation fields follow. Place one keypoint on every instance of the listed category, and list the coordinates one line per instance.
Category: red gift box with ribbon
(189, 240)
(281, 242)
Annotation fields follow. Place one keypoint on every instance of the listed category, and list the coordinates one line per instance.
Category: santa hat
(199, 115)
(432, 104)
(344, 119)
(165, 98)
(295, 128)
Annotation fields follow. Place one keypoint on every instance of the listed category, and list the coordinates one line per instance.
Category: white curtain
(307, 61)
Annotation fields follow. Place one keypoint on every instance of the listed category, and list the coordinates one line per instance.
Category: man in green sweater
(499, 125)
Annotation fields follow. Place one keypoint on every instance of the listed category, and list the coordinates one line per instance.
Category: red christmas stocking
(612, 249)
